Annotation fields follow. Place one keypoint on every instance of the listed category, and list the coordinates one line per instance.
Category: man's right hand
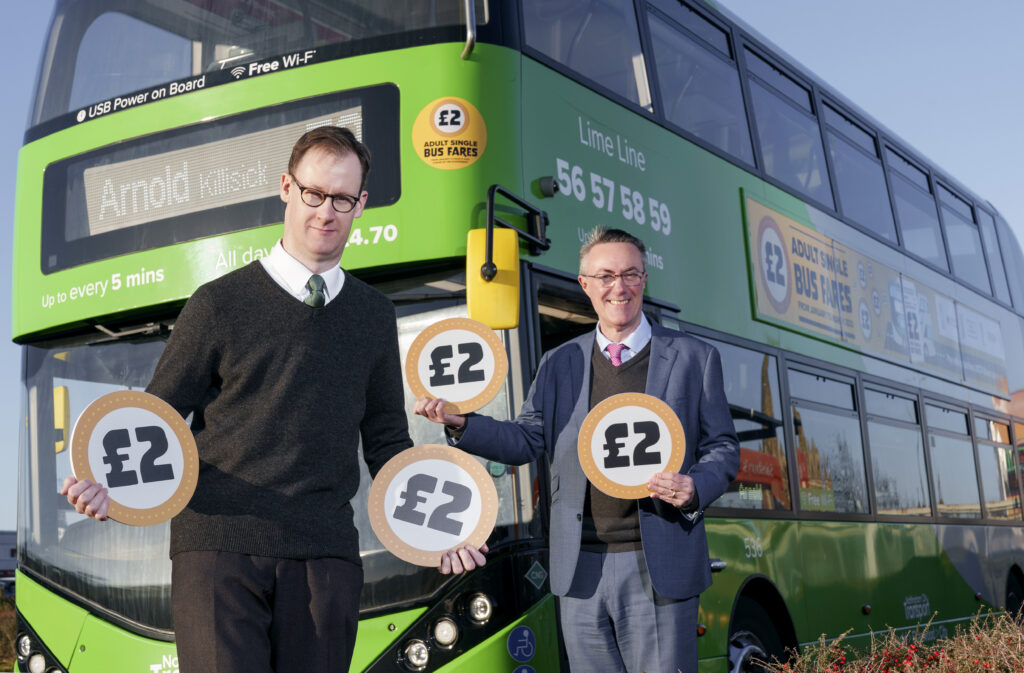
(433, 409)
(87, 498)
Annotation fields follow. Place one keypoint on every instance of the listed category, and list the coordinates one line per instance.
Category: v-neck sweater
(281, 394)
(612, 524)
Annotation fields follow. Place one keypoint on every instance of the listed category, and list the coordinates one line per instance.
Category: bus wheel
(753, 638)
(1014, 593)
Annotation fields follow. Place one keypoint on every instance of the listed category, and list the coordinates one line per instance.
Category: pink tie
(615, 350)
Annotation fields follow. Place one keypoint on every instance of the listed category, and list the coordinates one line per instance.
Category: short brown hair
(336, 139)
(600, 235)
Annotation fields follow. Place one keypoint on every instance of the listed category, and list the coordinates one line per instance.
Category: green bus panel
(684, 202)
(85, 643)
(423, 75)
(900, 570)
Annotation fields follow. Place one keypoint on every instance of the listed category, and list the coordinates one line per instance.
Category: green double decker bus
(868, 307)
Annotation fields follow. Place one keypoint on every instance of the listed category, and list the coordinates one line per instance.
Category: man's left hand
(464, 559)
(671, 487)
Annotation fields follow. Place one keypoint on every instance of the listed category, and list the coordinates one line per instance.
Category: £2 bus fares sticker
(449, 133)
(460, 360)
(141, 450)
(627, 438)
(429, 499)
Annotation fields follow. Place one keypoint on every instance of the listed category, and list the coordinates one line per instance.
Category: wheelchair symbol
(522, 644)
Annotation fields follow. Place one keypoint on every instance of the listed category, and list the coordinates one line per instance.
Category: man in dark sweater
(285, 364)
(628, 573)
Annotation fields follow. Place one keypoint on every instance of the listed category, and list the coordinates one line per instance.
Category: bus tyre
(753, 638)
(1014, 594)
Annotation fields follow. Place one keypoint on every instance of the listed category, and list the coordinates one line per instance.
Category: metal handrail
(470, 6)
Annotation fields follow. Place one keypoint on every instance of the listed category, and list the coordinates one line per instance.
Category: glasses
(630, 278)
(314, 198)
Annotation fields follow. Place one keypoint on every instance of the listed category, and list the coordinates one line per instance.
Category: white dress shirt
(634, 343)
(292, 275)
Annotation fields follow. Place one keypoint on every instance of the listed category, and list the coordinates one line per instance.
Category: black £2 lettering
(613, 437)
(113, 441)
(651, 433)
(412, 496)
(617, 432)
(475, 353)
(439, 375)
(157, 439)
(440, 520)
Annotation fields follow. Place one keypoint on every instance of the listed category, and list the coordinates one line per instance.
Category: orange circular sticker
(430, 499)
(627, 438)
(449, 133)
(460, 360)
(141, 450)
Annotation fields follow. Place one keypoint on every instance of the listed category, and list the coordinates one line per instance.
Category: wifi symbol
(237, 71)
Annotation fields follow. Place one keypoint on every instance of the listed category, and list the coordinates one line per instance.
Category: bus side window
(915, 210)
(999, 484)
(995, 261)
(789, 135)
(964, 241)
(600, 40)
(953, 468)
(698, 80)
(1014, 262)
(829, 450)
(897, 454)
(752, 388)
(863, 196)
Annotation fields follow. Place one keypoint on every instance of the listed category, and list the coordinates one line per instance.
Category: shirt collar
(636, 340)
(293, 274)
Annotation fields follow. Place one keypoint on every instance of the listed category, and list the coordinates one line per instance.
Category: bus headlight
(445, 632)
(480, 608)
(36, 663)
(24, 646)
(416, 654)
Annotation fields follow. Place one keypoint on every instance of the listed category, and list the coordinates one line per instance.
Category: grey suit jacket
(684, 372)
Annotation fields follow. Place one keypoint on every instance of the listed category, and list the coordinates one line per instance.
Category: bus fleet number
(603, 195)
(440, 519)
(753, 547)
(115, 440)
(616, 432)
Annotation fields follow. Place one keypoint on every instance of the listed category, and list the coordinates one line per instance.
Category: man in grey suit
(628, 573)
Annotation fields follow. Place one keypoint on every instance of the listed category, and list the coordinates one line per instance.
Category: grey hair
(600, 234)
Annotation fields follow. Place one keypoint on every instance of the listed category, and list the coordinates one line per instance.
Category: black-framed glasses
(630, 278)
(314, 198)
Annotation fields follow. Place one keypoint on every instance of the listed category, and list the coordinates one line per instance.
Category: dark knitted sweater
(281, 394)
(612, 524)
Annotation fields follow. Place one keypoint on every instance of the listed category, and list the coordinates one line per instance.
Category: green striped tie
(316, 297)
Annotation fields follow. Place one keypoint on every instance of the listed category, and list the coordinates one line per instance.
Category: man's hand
(433, 409)
(462, 560)
(671, 487)
(87, 498)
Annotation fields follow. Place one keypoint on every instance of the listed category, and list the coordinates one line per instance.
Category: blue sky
(942, 74)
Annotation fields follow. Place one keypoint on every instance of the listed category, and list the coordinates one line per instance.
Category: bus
(868, 306)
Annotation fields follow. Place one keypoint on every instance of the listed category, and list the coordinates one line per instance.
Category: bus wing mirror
(493, 302)
(61, 417)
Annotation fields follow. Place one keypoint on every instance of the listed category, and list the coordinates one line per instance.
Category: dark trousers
(252, 614)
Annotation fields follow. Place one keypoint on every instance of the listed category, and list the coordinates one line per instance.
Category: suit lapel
(582, 408)
(663, 357)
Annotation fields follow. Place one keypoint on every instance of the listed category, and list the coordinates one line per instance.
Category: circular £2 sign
(429, 499)
(141, 450)
(627, 438)
(460, 360)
